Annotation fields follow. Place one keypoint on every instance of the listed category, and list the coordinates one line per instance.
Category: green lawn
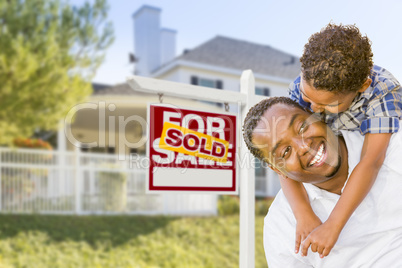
(122, 241)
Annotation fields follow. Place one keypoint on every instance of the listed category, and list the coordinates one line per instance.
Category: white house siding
(231, 82)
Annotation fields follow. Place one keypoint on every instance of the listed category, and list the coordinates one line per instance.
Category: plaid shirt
(377, 110)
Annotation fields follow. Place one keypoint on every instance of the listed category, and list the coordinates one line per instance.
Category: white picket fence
(52, 182)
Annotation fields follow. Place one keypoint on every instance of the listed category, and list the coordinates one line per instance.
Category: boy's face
(297, 144)
(327, 101)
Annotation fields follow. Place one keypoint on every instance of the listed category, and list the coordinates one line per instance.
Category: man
(298, 146)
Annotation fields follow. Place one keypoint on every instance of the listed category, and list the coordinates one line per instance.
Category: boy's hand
(304, 227)
(322, 239)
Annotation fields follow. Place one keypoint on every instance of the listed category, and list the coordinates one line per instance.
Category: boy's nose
(317, 108)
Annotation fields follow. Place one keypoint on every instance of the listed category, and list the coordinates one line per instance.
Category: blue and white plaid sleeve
(294, 93)
(293, 90)
(383, 114)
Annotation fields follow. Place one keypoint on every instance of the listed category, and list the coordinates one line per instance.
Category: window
(262, 91)
(204, 82)
(259, 169)
(207, 83)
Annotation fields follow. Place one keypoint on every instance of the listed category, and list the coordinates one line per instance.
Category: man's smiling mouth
(320, 157)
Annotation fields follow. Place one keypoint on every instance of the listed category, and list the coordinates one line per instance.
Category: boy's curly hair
(338, 59)
(254, 116)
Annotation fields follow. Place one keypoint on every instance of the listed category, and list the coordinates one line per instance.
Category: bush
(32, 143)
(44, 241)
(228, 205)
(262, 206)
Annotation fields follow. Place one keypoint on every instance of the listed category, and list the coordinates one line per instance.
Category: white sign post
(245, 99)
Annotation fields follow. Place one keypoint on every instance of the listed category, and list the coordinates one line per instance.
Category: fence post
(1, 188)
(62, 161)
(78, 180)
(247, 181)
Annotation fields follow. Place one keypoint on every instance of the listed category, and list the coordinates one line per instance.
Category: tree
(50, 51)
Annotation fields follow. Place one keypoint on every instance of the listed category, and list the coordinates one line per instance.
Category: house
(113, 121)
(216, 63)
(84, 175)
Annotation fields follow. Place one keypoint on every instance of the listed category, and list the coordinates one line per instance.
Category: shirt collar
(316, 193)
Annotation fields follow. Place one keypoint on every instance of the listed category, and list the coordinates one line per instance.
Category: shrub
(32, 143)
(262, 206)
(228, 205)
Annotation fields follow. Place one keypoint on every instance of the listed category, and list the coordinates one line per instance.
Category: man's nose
(301, 145)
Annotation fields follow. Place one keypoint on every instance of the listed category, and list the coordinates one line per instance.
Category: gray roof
(237, 54)
(229, 53)
(119, 89)
(122, 89)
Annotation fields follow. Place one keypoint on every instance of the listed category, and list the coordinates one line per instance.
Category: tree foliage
(50, 51)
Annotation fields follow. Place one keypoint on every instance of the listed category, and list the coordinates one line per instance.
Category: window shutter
(219, 84)
(194, 80)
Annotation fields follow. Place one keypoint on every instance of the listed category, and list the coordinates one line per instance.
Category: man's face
(297, 144)
(326, 101)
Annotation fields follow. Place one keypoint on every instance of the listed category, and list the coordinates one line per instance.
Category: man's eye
(287, 150)
(302, 127)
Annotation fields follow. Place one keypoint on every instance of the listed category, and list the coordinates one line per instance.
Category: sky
(282, 24)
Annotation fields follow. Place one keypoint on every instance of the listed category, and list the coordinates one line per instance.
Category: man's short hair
(338, 59)
(253, 117)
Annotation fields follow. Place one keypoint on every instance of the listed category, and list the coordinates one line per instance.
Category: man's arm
(324, 237)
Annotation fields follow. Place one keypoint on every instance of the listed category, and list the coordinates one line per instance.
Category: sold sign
(186, 141)
(191, 150)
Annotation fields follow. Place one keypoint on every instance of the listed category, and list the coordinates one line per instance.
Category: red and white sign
(191, 151)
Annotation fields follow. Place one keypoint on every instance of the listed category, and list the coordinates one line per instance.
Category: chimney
(168, 45)
(147, 39)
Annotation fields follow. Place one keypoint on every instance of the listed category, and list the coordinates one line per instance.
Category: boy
(338, 80)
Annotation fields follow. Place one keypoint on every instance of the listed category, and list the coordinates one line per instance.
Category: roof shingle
(237, 54)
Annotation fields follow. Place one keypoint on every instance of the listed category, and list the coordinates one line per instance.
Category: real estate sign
(191, 151)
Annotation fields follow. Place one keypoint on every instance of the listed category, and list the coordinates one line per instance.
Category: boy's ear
(365, 85)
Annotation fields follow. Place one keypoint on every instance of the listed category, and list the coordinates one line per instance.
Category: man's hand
(322, 239)
(304, 227)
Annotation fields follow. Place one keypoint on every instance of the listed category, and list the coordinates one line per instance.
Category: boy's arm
(324, 237)
(299, 202)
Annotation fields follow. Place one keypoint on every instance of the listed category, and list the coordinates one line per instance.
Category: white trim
(178, 63)
(181, 90)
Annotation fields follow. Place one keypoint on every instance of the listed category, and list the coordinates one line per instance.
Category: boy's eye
(286, 151)
(335, 105)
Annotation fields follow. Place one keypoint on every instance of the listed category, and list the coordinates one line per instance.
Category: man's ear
(274, 168)
(278, 172)
(365, 85)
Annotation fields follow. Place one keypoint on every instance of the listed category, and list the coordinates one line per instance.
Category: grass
(122, 241)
